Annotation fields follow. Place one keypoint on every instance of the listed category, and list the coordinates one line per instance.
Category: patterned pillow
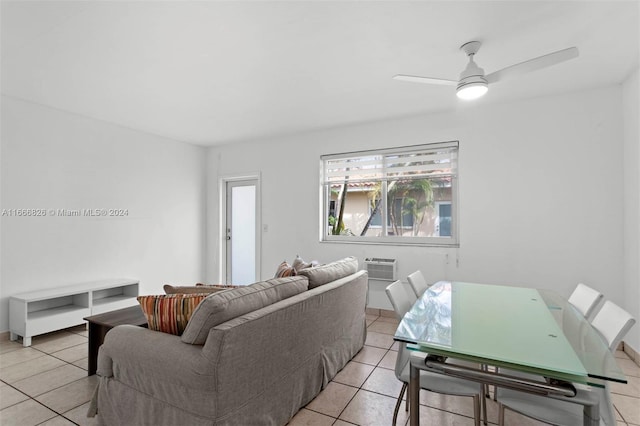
(285, 270)
(217, 285)
(169, 313)
(198, 288)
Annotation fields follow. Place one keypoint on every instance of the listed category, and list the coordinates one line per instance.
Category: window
(395, 196)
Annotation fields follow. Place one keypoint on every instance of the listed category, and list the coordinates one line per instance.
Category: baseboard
(4, 336)
(631, 353)
(380, 312)
(387, 313)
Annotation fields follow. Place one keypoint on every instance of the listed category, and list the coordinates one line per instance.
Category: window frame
(435, 241)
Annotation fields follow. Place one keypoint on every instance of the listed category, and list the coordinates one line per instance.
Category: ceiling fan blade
(533, 64)
(427, 80)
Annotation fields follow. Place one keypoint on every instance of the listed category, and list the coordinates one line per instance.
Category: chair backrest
(613, 323)
(418, 283)
(402, 301)
(585, 299)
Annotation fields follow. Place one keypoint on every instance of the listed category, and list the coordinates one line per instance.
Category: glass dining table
(522, 329)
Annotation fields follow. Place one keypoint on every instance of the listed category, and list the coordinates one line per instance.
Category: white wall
(56, 160)
(541, 195)
(630, 98)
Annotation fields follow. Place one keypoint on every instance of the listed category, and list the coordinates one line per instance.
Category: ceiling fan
(473, 83)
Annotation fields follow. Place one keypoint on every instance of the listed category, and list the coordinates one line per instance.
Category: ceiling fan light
(472, 90)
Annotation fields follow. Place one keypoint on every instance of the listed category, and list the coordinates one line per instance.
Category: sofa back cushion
(324, 274)
(225, 305)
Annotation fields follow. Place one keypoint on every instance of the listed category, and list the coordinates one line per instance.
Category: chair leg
(395, 411)
(500, 414)
(484, 405)
(487, 391)
(406, 403)
(485, 367)
(476, 410)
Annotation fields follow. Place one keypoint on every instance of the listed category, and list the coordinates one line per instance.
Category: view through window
(402, 195)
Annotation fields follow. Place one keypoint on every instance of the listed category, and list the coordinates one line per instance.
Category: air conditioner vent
(381, 269)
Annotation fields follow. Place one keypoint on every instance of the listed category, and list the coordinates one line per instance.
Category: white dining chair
(585, 299)
(417, 283)
(402, 301)
(613, 323)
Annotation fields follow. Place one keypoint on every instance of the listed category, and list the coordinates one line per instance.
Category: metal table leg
(414, 394)
(591, 415)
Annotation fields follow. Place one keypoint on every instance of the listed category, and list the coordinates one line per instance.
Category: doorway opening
(240, 246)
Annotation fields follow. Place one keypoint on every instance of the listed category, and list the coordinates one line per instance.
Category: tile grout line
(407, 391)
(620, 414)
(33, 398)
(359, 388)
(51, 390)
(17, 390)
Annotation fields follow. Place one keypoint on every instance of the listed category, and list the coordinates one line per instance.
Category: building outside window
(402, 195)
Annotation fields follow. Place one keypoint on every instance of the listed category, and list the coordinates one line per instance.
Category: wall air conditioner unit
(381, 269)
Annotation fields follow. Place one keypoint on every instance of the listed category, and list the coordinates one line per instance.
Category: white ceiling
(211, 72)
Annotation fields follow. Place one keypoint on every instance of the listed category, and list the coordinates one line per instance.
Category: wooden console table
(100, 324)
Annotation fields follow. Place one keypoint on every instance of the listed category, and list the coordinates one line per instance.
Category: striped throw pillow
(169, 313)
(285, 270)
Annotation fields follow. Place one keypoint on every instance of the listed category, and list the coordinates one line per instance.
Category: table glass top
(526, 329)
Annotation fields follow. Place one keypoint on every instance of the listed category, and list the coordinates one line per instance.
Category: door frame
(222, 228)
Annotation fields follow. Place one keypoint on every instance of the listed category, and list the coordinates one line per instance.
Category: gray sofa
(258, 368)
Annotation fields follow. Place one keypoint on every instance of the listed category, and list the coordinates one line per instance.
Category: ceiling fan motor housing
(473, 74)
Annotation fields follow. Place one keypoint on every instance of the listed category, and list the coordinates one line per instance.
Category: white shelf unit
(39, 312)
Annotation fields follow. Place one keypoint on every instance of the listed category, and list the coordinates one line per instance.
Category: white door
(241, 231)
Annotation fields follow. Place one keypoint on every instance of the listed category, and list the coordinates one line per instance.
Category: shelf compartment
(112, 303)
(114, 293)
(45, 321)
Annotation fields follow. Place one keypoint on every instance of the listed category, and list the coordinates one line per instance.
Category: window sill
(390, 242)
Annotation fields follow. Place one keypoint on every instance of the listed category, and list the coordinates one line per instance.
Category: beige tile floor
(46, 384)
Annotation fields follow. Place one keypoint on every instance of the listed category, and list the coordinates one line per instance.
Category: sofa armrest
(136, 355)
(148, 368)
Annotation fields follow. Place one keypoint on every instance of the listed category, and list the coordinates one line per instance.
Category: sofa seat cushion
(169, 313)
(324, 274)
(225, 305)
